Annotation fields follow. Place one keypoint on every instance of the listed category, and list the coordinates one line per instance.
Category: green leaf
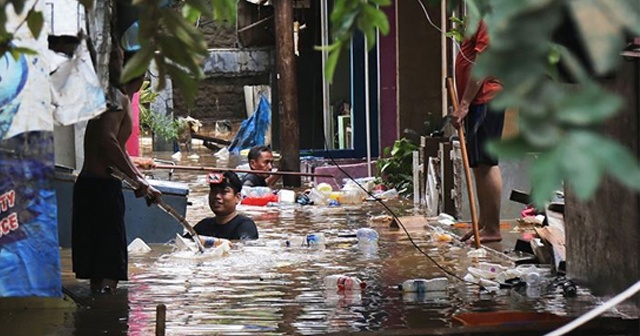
(224, 10)
(332, 61)
(35, 21)
(190, 13)
(16, 52)
(588, 106)
(184, 82)
(618, 162)
(513, 148)
(137, 65)
(582, 171)
(546, 176)
(381, 2)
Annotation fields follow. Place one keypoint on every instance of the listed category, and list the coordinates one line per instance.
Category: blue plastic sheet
(253, 130)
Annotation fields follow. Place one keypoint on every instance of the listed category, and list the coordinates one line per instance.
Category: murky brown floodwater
(267, 289)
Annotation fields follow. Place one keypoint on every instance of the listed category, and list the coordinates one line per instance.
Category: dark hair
(230, 180)
(255, 152)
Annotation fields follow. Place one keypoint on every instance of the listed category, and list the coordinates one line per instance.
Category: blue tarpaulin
(253, 130)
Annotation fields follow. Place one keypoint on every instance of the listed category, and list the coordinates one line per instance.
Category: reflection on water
(265, 288)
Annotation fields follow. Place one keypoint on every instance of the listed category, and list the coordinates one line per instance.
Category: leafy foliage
(172, 41)
(163, 126)
(557, 120)
(395, 169)
(34, 20)
(457, 33)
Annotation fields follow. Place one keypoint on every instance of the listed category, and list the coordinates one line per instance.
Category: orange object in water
(259, 201)
(507, 318)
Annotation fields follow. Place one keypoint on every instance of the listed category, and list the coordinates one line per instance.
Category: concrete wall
(603, 234)
(220, 95)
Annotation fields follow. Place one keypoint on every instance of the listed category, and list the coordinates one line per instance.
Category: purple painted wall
(388, 85)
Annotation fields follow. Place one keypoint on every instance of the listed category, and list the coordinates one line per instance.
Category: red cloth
(470, 48)
(259, 201)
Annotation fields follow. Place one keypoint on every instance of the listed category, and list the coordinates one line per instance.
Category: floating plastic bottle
(569, 289)
(318, 197)
(351, 196)
(315, 239)
(534, 284)
(344, 283)
(425, 285)
(367, 235)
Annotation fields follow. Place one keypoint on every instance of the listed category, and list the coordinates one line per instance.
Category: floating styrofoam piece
(480, 252)
(138, 246)
(446, 219)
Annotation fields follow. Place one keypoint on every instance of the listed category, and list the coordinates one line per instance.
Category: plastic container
(534, 284)
(286, 196)
(367, 235)
(344, 283)
(324, 187)
(569, 289)
(425, 285)
(138, 246)
(256, 192)
(318, 197)
(351, 196)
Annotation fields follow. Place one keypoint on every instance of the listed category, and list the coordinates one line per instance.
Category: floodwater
(266, 288)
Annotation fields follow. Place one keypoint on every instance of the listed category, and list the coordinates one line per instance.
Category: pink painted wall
(133, 144)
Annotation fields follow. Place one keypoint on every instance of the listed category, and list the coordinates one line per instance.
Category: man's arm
(272, 180)
(114, 151)
(470, 92)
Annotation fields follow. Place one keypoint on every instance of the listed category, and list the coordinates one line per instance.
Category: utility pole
(287, 98)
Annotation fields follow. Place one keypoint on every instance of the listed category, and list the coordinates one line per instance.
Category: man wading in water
(99, 240)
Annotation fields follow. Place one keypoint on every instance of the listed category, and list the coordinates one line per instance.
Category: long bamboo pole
(465, 161)
(217, 169)
(161, 204)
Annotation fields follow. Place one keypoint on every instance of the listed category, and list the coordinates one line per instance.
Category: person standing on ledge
(98, 236)
(482, 125)
(260, 159)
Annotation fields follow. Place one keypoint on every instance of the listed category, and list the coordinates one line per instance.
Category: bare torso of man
(105, 141)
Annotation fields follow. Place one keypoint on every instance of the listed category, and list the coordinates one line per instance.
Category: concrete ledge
(355, 170)
(237, 62)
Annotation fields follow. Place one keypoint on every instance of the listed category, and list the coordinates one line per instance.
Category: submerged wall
(602, 235)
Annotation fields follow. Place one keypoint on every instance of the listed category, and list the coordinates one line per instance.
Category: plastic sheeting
(29, 252)
(252, 131)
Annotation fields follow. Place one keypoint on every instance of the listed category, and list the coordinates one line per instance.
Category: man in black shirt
(260, 159)
(224, 195)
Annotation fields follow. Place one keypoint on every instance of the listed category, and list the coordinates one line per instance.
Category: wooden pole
(216, 169)
(465, 160)
(161, 319)
(287, 91)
